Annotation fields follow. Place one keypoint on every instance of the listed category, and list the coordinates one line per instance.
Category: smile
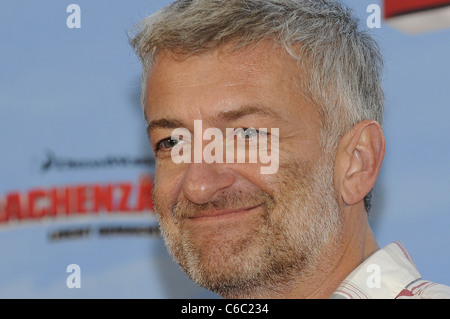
(222, 214)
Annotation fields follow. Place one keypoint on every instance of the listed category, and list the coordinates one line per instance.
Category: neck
(358, 243)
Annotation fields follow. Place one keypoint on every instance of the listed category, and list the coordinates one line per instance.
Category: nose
(203, 180)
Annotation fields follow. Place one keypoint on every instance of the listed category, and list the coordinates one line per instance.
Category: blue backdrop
(73, 145)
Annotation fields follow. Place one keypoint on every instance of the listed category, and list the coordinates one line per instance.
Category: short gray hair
(343, 63)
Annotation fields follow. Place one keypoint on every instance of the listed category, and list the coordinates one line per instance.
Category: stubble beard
(280, 248)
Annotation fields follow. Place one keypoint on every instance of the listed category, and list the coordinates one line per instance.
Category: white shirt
(389, 273)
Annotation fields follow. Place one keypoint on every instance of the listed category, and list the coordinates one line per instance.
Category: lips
(221, 214)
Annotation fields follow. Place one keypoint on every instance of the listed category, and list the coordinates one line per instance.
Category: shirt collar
(381, 276)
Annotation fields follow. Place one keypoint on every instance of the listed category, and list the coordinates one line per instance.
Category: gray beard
(300, 225)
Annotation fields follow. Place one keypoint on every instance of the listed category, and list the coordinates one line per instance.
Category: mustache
(229, 200)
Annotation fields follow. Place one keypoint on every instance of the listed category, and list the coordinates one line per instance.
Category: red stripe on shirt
(405, 293)
(405, 253)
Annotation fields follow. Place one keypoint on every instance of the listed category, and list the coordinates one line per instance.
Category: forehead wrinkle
(243, 111)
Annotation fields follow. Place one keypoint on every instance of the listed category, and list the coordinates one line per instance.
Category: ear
(358, 161)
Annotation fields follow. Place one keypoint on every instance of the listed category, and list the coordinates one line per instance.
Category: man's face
(231, 228)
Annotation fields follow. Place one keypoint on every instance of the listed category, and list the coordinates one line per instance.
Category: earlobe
(362, 152)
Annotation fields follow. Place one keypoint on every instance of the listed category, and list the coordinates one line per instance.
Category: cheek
(167, 185)
(250, 177)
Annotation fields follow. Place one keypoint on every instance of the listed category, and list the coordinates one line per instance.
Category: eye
(167, 143)
(248, 133)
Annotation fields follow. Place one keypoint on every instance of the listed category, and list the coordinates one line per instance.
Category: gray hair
(342, 63)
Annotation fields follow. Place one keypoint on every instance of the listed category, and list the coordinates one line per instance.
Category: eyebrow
(164, 124)
(225, 116)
